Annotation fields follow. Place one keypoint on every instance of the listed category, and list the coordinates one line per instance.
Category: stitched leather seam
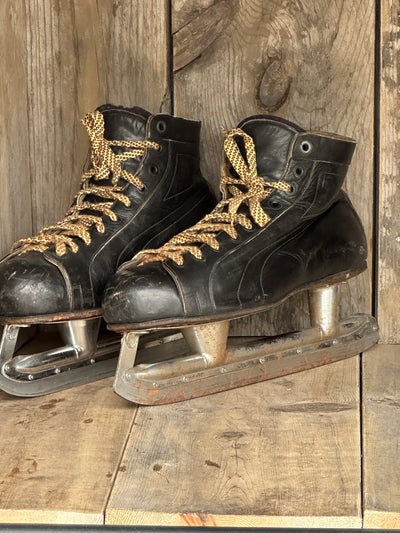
(177, 284)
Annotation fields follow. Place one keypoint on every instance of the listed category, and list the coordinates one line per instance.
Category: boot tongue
(272, 138)
(124, 123)
(120, 124)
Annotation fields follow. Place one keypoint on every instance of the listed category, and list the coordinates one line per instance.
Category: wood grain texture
(388, 282)
(279, 453)
(60, 453)
(15, 191)
(381, 437)
(81, 55)
(310, 62)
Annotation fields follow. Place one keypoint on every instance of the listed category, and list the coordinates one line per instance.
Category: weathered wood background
(217, 61)
(328, 65)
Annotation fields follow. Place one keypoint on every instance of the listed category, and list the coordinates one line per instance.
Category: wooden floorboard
(59, 454)
(279, 453)
(381, 437)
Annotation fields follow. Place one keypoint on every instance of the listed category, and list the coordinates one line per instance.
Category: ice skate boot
(143, 185)
(283, 226)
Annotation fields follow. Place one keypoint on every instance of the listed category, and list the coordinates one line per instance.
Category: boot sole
(168, 323)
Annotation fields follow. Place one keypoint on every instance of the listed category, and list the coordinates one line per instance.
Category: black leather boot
(143, 186)
(285, 226)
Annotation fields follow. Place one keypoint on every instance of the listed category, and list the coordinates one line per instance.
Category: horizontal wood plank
(279, 453)
(381, 437)
(59, 454)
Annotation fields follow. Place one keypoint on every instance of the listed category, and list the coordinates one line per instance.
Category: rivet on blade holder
(130, 340)
(12, 332)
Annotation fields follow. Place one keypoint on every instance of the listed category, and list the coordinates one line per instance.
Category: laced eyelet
(305, 147)
(161, 126)
(248, 229)
(293, 189)
(104, 162)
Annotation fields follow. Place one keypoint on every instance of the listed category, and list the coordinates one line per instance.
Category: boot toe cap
(140, 295)
(31, 286)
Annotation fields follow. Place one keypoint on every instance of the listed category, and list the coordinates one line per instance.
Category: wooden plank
(55, 160)
(15, 191)
(381, 437)
(277, 454)
(310, 62)
(388, 282)
(54, 468)
(60, 453)
(136, 70)
(81, 55)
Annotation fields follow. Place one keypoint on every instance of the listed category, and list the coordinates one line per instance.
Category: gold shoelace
(225, 215)
(105, 165)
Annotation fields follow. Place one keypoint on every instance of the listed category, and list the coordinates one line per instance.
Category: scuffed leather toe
(31, 286)
(141, 294)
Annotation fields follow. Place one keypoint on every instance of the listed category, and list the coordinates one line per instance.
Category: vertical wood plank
(15, 192)
(69, 57)
(136, 72)
(310, 62)
(284, 453)
(80, 55)
(388, 282)
(52, 106)
(381, 437)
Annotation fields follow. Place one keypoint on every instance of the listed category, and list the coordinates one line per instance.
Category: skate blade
(247, 360)
(82, 358)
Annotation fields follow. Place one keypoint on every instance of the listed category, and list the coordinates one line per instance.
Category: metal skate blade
(81, 359)
(248, 360)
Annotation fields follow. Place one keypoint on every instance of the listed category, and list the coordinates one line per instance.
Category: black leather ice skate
(143, 186)
(284, 226)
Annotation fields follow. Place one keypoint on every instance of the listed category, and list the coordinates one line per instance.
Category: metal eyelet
(154, 170)
(293, 189)
(275, 204)
(305, 147)
(161, 126)
(299, 171)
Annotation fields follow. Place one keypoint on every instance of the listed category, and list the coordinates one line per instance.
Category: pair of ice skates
(283, 226)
